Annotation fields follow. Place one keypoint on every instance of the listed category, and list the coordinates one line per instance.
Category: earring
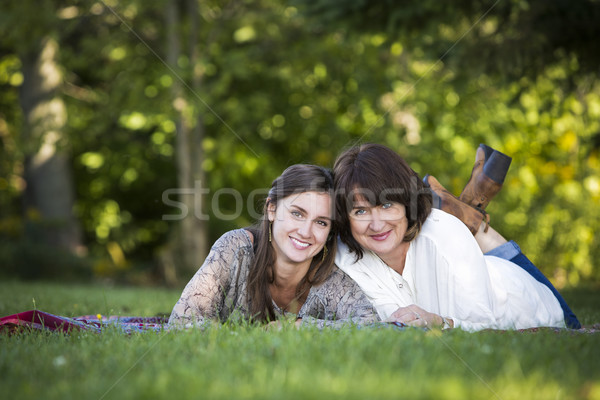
(270, 226)
(325, 251)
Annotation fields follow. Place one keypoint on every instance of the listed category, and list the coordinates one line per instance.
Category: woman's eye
(323, 223)
(296, 214)
(360, 212)
(386, 205)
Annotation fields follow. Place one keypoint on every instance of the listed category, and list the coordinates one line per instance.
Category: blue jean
(512, 252)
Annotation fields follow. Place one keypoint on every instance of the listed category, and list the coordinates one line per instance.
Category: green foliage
(511, 38)
(520, 77)
(241, 361)
(279, 87)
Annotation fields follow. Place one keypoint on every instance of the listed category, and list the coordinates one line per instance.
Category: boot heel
(496, 167)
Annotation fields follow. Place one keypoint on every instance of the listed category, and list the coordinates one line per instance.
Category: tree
(520, 76)
(49, 196)
(188, 248)
(229, 94)
(512, 38)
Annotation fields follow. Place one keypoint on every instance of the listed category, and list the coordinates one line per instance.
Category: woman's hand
(414, 315)
(274, 326)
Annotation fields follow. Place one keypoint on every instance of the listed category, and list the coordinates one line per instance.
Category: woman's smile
(300, 245)
(381, 236)
(379, 228)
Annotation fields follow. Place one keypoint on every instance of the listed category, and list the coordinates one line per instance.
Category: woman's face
(301, 224)
(380, 229)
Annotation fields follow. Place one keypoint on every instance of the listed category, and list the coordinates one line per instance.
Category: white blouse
(447, 274)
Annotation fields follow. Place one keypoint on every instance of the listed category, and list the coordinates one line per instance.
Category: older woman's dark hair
(377, 174)
(298, 178)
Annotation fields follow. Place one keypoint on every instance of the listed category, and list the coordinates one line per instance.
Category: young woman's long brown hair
(299, 178)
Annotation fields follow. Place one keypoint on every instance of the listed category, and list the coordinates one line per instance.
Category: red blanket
(44, 321)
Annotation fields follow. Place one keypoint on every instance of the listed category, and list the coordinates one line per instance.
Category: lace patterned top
(218, 291)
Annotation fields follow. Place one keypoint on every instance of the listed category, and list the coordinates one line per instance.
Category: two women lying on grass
(398, 259)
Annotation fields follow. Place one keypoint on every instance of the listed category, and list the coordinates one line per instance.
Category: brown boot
(446, 201)
(487, 177)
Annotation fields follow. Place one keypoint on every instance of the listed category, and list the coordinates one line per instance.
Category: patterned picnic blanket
(40, 320)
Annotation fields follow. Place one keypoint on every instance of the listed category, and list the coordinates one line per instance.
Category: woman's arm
(337, 302)
(203, 299)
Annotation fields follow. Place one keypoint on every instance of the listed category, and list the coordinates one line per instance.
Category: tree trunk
(49, 194)
(195, 150)
(190, 248)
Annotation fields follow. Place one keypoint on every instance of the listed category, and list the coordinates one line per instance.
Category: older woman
(282, 267)
(420, 265)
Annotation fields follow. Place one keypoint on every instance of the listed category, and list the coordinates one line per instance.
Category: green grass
(238, 361)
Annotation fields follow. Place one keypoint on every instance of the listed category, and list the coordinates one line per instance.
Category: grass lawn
(243, 362)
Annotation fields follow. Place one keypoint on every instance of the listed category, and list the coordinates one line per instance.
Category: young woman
(420, 265)
(281, 267)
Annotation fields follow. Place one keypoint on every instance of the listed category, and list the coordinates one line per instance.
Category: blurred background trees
(151, 110)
